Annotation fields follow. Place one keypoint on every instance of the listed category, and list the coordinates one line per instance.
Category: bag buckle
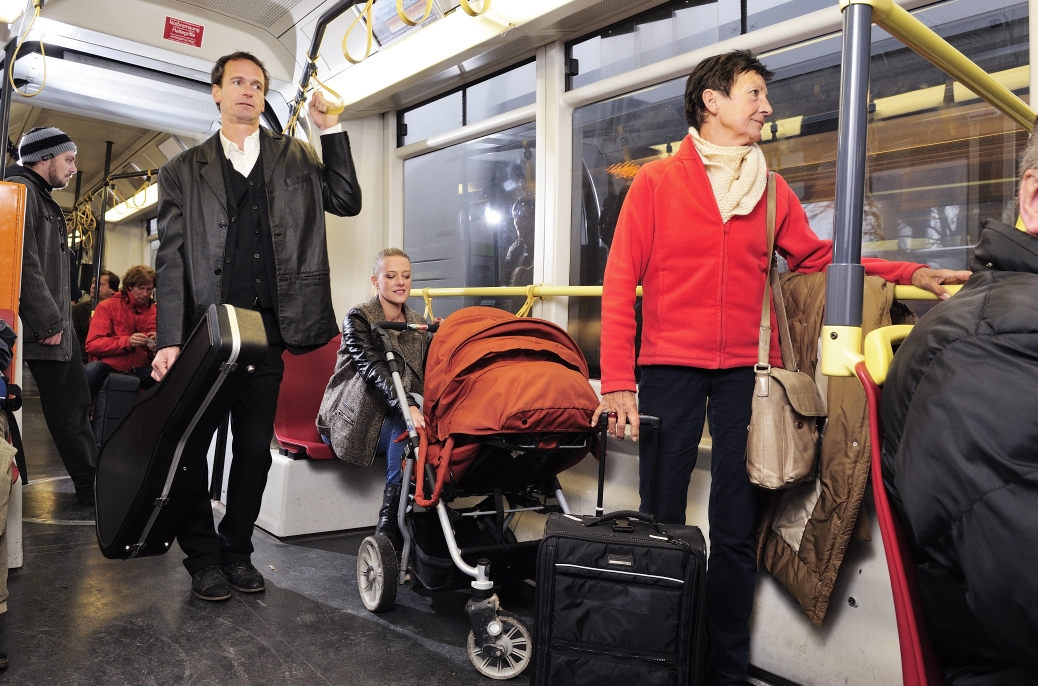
(762, 368)
(623, 526)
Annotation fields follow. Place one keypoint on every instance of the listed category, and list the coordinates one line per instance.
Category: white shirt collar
(252, 144)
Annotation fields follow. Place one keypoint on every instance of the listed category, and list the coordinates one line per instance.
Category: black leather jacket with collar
(193, 218)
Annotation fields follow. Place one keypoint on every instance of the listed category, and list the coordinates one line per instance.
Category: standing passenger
(692, 232)
(241, 221)
(47, 160)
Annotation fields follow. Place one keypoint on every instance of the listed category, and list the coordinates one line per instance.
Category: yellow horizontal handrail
(902, 25)
(542, 291)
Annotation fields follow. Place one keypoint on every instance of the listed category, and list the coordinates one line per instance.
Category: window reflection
(469, 217)
(671, 29)
(509, 90)
(940, 161)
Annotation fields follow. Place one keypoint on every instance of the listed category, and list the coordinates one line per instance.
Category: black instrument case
(151, 466)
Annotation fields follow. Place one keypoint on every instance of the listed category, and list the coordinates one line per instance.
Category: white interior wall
(353, 241)
(125, 246)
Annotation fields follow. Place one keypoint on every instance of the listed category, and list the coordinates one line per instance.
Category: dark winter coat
(46, 300)
(193, 229)
(361, 392)
(960, 461)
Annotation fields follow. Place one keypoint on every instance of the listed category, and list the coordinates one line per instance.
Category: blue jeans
(681, 397)
(392, 427)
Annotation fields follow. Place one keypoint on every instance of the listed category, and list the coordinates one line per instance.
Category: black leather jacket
(359, 344)
(193, 232)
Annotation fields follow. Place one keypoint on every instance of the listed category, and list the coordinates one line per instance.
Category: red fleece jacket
(702, 279)
(114, 321)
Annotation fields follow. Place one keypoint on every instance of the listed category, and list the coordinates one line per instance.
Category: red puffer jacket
(114, 321)
(702, 279)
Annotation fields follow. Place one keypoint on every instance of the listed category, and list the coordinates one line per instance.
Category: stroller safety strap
(441, 470)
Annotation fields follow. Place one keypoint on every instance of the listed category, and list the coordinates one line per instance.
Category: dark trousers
(97, 372)
(681, 397)
(66, 408)
(252, 426)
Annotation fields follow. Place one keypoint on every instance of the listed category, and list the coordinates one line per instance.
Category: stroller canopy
(490, 372)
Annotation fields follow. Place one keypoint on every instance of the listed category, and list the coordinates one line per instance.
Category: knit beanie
(42, 143)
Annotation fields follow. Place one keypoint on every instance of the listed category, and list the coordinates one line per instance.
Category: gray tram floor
(78, 618)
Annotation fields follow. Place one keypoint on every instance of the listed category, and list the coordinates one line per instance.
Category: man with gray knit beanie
(47, 160)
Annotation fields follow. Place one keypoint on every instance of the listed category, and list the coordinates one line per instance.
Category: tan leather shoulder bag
(782, 446)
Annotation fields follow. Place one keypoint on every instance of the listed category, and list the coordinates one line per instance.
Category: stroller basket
(432, 564)
(516, 462)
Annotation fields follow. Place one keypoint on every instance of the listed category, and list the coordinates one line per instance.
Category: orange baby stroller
(507, 407)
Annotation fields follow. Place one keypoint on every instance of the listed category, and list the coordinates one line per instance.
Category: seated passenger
(960, 456)
(122, 332)
(360, 414)
(82, 310)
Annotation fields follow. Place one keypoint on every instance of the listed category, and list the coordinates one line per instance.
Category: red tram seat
(919, 664)
(300, 400)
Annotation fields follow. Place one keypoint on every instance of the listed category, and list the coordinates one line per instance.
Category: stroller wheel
(377, 573)
(510, 652)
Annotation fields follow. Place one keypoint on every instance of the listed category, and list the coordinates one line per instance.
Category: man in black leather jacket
(241, 221)
(960, 456)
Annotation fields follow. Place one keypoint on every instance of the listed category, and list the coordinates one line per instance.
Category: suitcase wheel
(377, 572)
(509, 654)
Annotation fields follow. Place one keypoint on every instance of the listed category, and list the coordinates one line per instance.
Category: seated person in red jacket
(122, 332)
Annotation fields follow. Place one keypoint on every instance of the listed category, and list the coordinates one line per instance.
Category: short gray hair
(383, 254)
(1030, 158)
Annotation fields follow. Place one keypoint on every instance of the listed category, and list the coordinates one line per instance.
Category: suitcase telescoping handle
(603, 425)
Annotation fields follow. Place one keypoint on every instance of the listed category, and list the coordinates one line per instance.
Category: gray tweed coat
(353, 408)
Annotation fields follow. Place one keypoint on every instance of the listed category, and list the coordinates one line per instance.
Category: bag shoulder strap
(772, 284)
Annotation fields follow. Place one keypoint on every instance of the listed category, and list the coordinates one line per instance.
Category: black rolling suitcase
(619, 599)
(153, 463)
(117, 395)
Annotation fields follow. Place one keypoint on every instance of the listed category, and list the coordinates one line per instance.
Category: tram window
(499, 93)
(442, 114)
(505, 92)
(468, 217)
(671, 29)
(939, 162)
(761, 13)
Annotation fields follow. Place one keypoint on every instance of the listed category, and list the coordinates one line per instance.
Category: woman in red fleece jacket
(692, 232)
(121, 337)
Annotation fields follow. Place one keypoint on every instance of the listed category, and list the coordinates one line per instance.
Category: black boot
(3, 641)
(387, 525)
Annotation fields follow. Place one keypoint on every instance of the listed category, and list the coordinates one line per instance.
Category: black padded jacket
(960, 460)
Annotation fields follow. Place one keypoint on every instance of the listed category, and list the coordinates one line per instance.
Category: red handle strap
(441, 470)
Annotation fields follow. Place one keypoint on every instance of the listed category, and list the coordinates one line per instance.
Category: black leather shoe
(3, 641)
(387, 524)
(244, 577)
(210, 583)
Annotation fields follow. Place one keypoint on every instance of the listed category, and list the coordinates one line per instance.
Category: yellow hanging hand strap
(531, 298)
(340, 105)
(467, 7)
(366, 15)
(429, 316)
(407, 20)
(43, 54)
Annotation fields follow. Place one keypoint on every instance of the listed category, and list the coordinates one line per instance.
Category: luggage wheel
(500, 644)
(377, 573)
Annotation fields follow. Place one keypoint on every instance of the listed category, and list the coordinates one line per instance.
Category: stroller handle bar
(404, 326)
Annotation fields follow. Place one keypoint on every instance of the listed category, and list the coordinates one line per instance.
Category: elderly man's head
(1029, 184)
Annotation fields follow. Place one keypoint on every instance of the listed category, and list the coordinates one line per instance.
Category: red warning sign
(180, 31)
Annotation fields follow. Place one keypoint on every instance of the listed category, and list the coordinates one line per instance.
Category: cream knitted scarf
(738, 174)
